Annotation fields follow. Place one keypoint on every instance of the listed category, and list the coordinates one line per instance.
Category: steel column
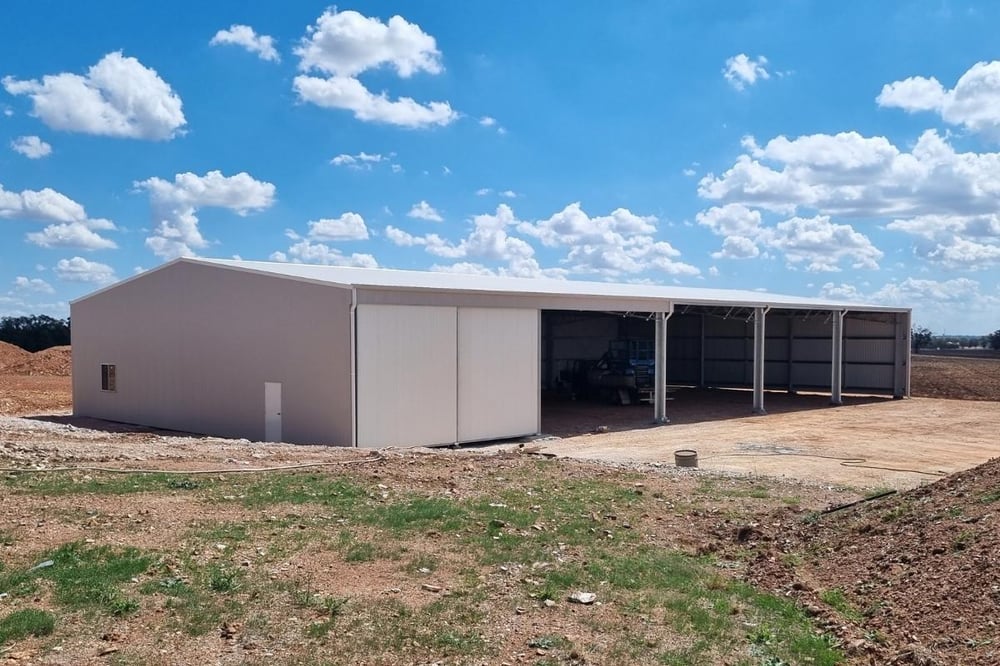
(901, 357)
(758, 359)
(660, 370)
(837, 358)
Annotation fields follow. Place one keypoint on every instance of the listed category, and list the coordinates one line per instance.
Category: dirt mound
(955, 378)
(917, 573)
(11, 354)
(52, 362)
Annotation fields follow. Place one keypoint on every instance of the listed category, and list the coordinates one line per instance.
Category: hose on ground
(373, 457)
(845, 462)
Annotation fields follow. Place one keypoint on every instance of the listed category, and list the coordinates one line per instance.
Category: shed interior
(593, 361)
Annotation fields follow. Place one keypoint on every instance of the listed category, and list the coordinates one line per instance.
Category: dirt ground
(865, 443)
(918, 571)
(954, 377)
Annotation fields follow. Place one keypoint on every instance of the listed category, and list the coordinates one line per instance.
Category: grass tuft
(26, 622)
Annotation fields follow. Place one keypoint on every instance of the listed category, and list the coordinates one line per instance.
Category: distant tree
(35, 332)
(993, 339)
(920, 338)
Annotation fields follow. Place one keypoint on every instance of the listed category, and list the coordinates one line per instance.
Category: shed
(374, 357)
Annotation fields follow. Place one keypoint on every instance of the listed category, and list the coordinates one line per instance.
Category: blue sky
(847, 150)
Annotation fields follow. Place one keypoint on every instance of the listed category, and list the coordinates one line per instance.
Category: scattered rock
(585, 598)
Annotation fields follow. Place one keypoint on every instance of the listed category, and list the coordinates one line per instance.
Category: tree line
(922, 338)
(35, 332)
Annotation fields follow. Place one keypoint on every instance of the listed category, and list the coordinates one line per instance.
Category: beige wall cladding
(194, 344)
(407, 368)
(498, 365)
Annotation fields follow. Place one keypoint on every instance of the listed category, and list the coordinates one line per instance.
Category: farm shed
(374, 357)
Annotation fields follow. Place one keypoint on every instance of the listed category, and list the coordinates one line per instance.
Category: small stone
(520, 611)
(585, 598)
(427, 587)
(549, 603)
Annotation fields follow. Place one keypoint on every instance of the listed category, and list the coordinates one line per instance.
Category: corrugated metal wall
(869, 353)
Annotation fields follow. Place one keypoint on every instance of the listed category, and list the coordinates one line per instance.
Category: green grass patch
(422, 563)
(835, 599)
(223, 579)
(553, 534)
(83, 577)
(361, 551)
(419, 513)
(894, 514)
(549, 642)
(198, 598)
(332, 608)
(696, 601)
(97, 483)
(990, 497)
(223, 532)
(26, 622)
(299, 488)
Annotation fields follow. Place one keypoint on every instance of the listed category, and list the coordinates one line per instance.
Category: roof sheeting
(382, 278)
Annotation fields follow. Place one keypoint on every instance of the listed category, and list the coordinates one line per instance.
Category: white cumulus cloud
(175, 204)
(343, 45)
(34, 285)
(959, 305)
(821, 245)
(31, 147)
(75, 235)
(79, 269)
(362, 161)
(974, 102)
(118, 97)
(488, 240)
(45, 205)
(609, 245)
(307, 252)
(349, 226)
(742, 71)
(947, 200)
(69, 225)
(245, 36)
(424, 211)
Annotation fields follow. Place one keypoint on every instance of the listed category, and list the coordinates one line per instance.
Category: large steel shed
(375, 357)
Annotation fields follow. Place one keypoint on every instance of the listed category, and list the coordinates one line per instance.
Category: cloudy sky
(847, 150)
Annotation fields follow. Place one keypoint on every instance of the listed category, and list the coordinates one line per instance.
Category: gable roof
(384, 278)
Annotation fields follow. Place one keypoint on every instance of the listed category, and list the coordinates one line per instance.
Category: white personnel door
(272, 411)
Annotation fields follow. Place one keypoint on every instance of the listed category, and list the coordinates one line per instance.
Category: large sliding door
(406, 369)
(430, 375)
(498, 365)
